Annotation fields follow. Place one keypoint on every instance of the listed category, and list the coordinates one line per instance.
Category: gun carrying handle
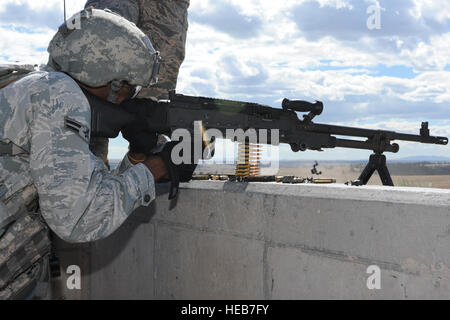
(303, 106)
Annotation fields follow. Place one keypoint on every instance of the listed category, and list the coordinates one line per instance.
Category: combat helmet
(97, 47)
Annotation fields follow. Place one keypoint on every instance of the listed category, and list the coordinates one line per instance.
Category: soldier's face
(127, 92)
(124, 94)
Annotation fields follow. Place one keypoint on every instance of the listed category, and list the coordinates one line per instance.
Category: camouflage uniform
(165, 22)
(79, 199)
(48, 176)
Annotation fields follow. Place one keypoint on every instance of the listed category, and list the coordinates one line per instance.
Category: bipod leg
(383, 171)
(366, 174)
(376, 162)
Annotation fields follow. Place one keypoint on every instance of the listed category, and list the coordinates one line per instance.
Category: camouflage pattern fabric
(45, 159)
(104, 48)
(23, 249)
(165, 22)
(79, 199)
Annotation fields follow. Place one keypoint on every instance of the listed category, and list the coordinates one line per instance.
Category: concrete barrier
(226, 240)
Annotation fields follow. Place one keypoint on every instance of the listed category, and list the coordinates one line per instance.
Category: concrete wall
(272, 241)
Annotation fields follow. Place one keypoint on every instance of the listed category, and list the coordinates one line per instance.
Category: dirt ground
(403, 175)
(346, 173)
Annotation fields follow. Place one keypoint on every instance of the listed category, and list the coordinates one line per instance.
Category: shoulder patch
(77, 127)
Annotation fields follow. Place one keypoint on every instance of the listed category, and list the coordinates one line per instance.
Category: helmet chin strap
(113, 96)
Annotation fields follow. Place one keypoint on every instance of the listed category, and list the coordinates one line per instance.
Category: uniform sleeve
(79, 199)
(123, 166)
(128, 9)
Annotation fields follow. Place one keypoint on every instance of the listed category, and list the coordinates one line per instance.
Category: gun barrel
(369, 133)
(422, 139)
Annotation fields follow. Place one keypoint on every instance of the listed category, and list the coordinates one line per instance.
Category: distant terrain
(405, 172)
(410, 174)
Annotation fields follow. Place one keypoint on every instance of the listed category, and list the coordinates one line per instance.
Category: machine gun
(181, 111)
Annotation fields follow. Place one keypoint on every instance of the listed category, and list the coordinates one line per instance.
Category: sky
(392, 75)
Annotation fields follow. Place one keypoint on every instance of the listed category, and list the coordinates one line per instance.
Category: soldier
(165, 22)
(45, 160)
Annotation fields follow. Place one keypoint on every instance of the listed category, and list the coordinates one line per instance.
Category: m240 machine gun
(181, 111)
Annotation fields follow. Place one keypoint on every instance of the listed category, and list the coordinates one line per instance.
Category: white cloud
(432, 56)
(28, 26)
(29, 48)
(72, 6)
(275, 57)
(290, 65)
(439, 10)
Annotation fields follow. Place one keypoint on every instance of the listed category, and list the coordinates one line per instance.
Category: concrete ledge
(429, 196)
(272, 241)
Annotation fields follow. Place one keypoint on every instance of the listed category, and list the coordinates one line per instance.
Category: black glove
(181, 172)
(141, 139)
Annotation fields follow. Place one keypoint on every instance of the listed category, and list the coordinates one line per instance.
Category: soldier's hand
(154, 163)
(140, 138)
(158, 168)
